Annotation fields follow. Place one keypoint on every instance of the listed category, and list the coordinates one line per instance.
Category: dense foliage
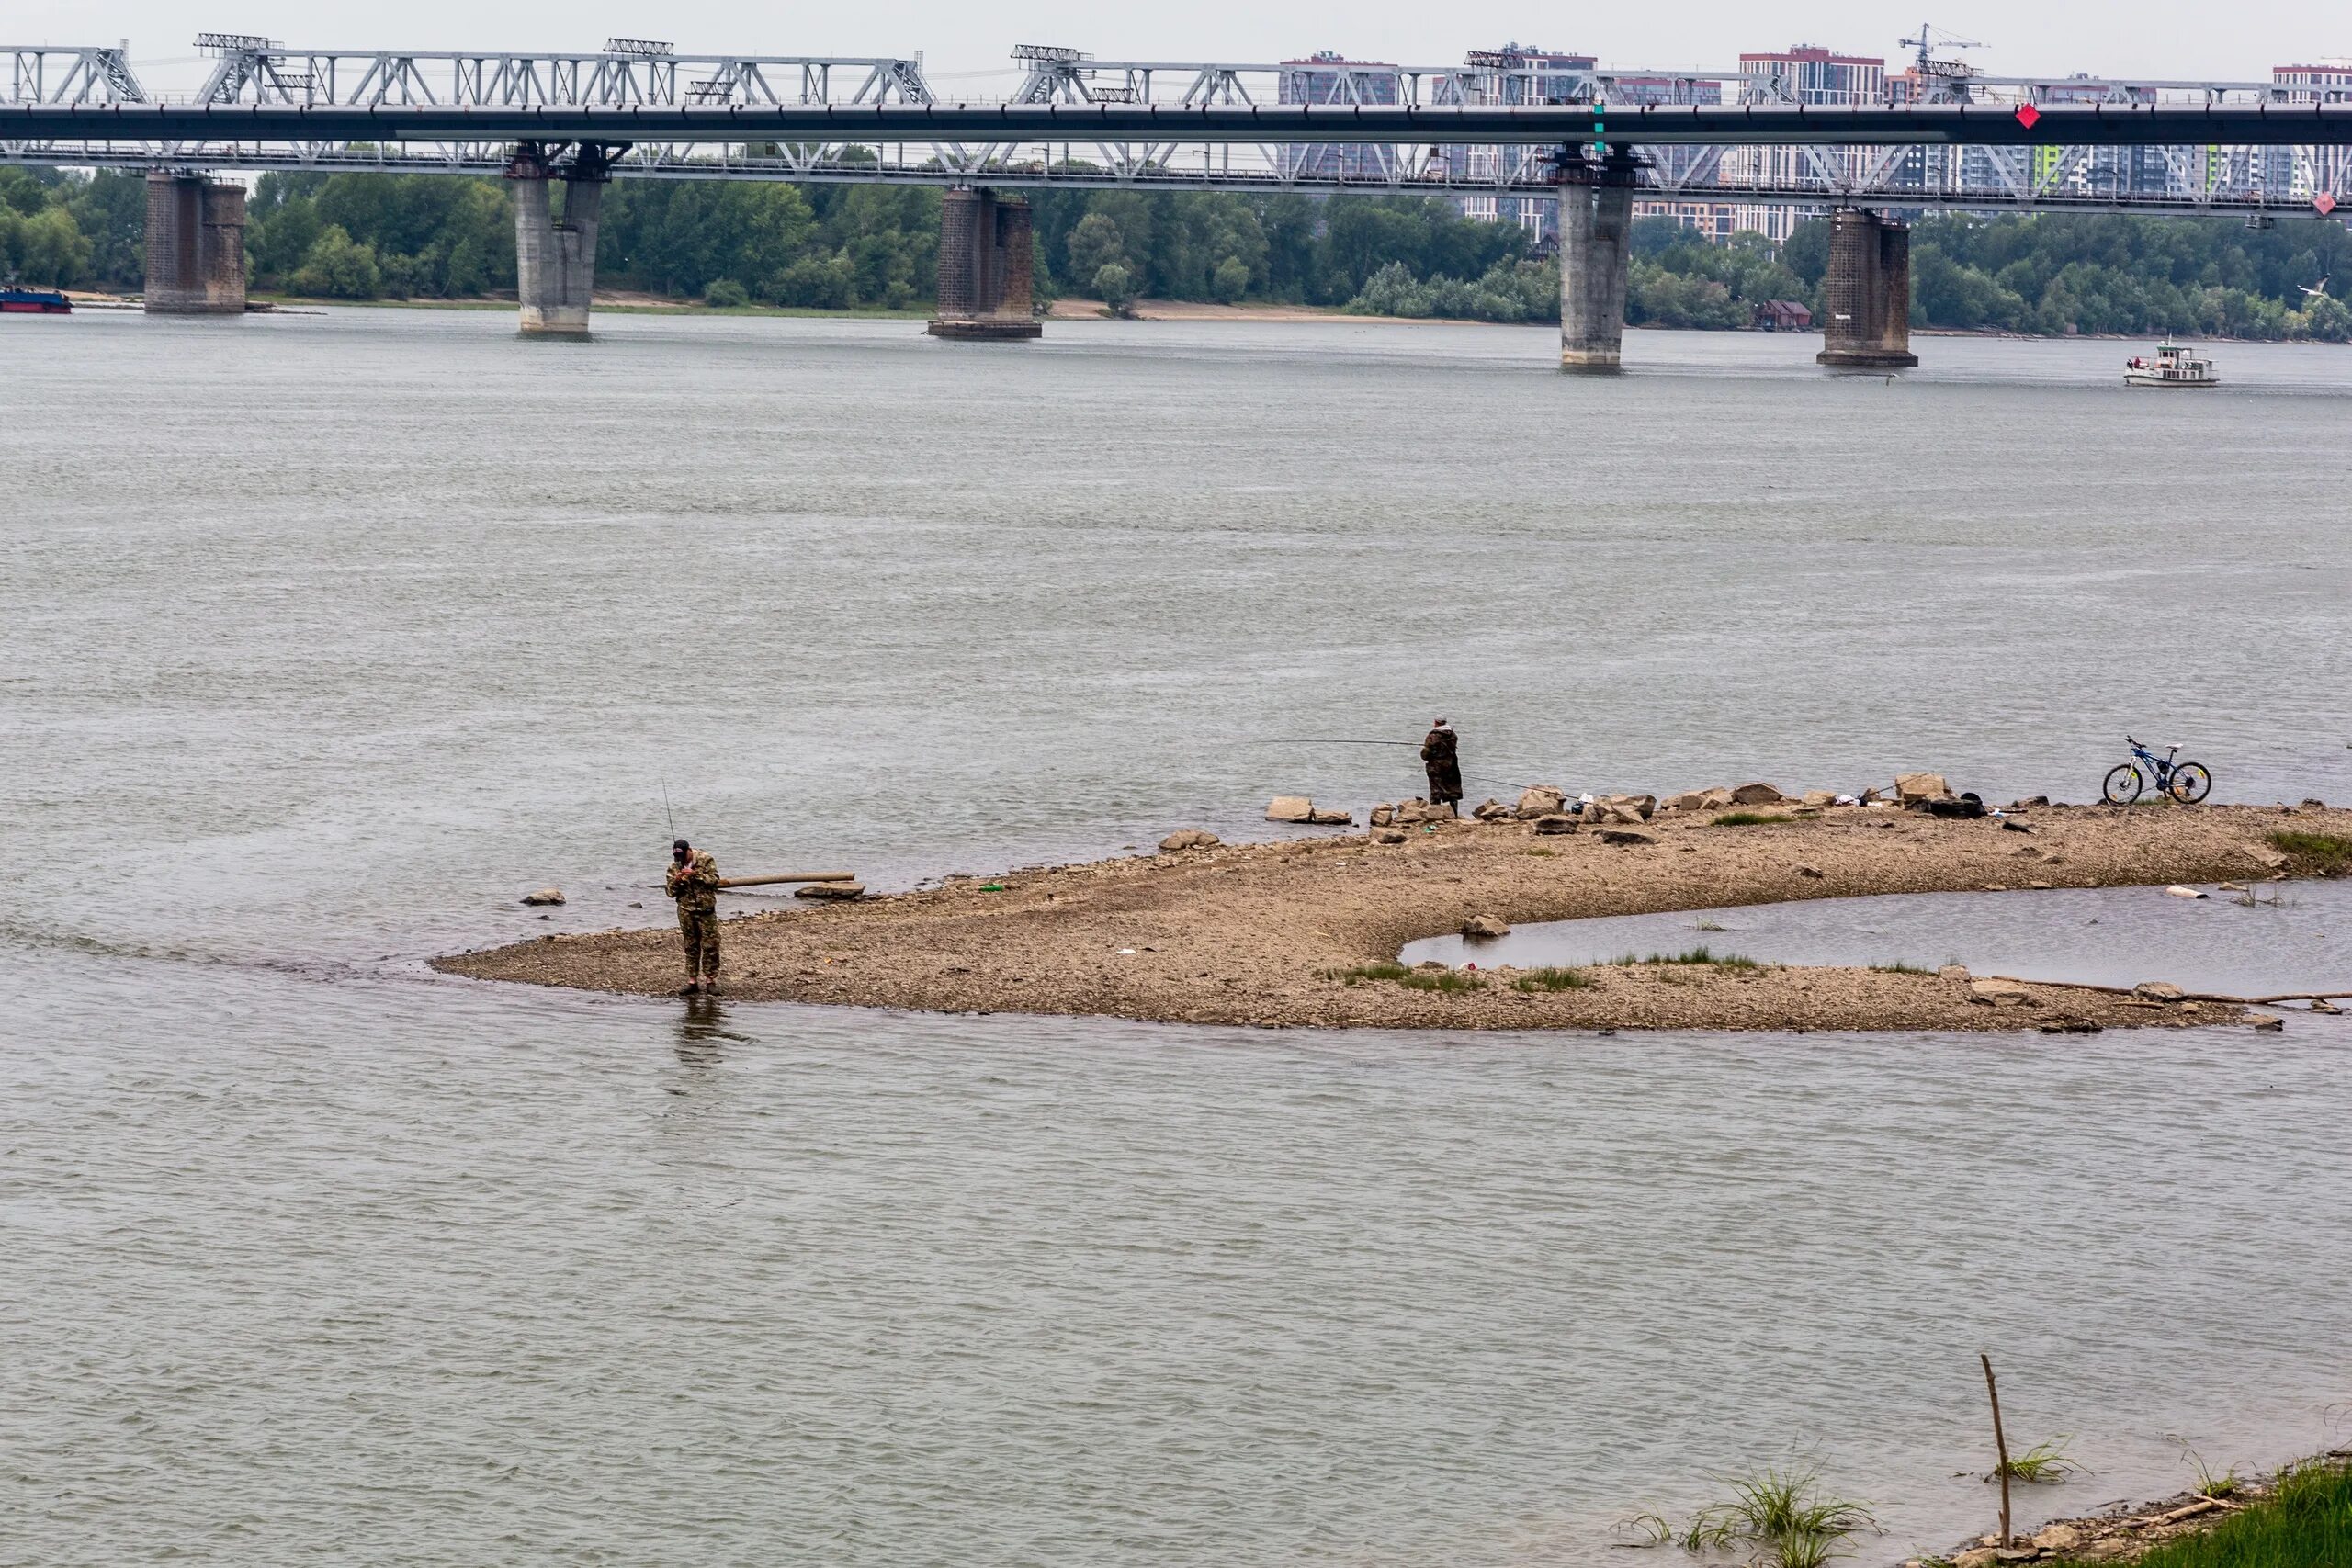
(356, 236)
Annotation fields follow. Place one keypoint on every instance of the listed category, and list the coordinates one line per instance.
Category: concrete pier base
(985, 261)
(1596, 251)
(555, 258)
(1867, 297)
(196, 246)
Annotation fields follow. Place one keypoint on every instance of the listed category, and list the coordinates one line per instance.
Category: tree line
(840, 247)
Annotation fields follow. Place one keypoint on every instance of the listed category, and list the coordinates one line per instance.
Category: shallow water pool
(2292, 936)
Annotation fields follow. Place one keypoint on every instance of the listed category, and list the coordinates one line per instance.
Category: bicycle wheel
(2191, 782)
(2123, 784)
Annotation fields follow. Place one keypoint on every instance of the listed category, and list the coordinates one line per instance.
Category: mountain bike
(2187, 783)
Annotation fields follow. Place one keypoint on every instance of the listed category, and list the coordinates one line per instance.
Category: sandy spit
(1254, 933)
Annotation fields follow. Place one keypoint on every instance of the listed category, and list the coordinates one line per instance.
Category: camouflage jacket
(695, 884)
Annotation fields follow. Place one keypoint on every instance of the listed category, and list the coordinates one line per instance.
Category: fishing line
(1414, 744)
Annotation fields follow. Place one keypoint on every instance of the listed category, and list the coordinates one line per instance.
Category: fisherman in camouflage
(1442, 759)
(693, 881)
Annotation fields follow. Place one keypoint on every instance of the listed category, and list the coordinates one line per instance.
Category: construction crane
(1929, 37)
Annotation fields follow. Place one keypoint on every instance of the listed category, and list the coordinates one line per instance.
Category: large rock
(1819, 797)
(1755, 795)
(1382, 816)
(1998, 993)
(1323, 817)
(1553, 826)
(831, 892)
(1625, 835)
(1623, 809)
(545, 895)
(2157, 991)
(1910, 787)
(1190, 839)
(1540, 800)
(1491, 811)
(1388, 835)
(1484, 928)
(1290, 808)
(1698, 800)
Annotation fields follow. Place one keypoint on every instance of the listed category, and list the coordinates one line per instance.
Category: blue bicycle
(2186, 783)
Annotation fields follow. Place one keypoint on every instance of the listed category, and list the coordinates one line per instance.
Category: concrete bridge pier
(195, 246)
(555, 257)
(985, 258)
(1867, 296)
(1596, 251)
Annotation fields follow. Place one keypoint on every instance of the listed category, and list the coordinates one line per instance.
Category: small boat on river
(16, 301)
(2171, 365)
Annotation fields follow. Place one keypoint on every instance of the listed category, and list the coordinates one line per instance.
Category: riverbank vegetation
(2305, 1520)
(842, 247)
(1783, 1519)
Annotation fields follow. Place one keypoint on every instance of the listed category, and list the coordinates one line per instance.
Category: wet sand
(1265, 933)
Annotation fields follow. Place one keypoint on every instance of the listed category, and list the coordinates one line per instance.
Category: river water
(326, 636)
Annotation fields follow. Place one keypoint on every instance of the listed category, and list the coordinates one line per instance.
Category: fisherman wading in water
(693, 881)
(1440, 752)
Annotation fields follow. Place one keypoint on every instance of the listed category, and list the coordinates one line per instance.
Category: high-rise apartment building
(1804, 74)
(1325, 77)
(1517, 74)
(2309, 171)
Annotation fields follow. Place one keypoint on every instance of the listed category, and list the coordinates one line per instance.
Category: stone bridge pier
(985, 258)
(1867, 296)
(195, 246)
(1596, 230)
(555, 256)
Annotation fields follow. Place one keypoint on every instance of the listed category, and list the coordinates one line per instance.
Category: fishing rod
(1414, 745)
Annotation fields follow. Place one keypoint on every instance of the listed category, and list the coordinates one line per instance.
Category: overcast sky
(2199, 38)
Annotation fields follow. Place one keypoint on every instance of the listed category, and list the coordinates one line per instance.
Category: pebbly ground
(1263, 933)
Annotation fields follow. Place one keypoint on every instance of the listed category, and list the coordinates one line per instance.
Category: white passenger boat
(2171, 365)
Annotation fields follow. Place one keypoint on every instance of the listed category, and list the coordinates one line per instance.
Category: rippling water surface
(326, 636)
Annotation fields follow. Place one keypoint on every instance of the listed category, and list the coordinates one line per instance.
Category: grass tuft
(1784, 1514)
(1695, 955)
(1899, 967)
(1411, 979)
(2330, 854)
(2044, 1463)
(1551, 978)
(2228, 1484)
(2307, 1519)
(1705, 924)
(1747, 819)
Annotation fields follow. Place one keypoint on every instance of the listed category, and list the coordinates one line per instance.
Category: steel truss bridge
(1498, 127)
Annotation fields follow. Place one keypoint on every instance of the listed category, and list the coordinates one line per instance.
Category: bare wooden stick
(789, 877)
(2000, 1443)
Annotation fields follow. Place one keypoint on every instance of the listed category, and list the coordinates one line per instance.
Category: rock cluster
(2124, 1534)
(1299, 808)
(545, 895)
(1190, 839)
(1413, 813)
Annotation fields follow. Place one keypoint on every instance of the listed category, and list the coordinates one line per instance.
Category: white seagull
(2318, 291)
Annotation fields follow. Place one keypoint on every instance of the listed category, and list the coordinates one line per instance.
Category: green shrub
(2306, 1521)
(2329, 854)
(726, 295)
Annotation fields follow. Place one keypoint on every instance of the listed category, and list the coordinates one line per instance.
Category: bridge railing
(634, 74)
